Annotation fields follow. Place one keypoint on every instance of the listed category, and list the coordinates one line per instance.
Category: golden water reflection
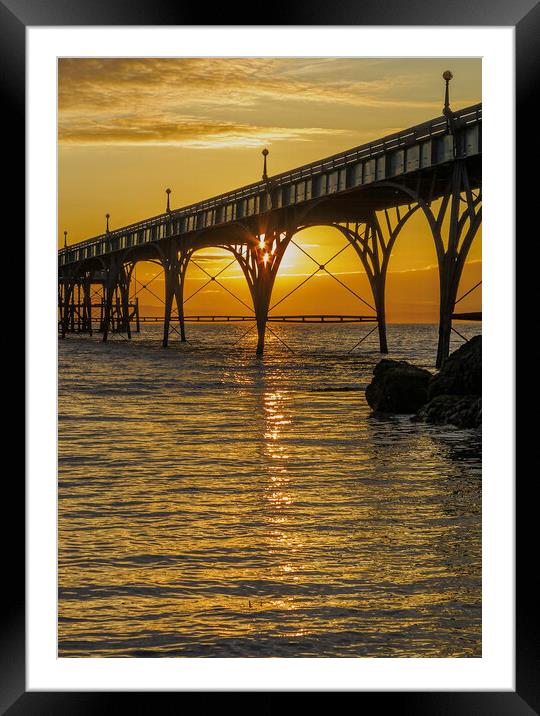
(284, 545)
(221, 506)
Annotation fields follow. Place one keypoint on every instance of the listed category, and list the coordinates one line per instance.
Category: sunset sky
(129, 128)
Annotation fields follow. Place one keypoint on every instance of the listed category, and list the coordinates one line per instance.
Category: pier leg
(263, 292)
(261, 332)
(102, 310)
(182, 326)
(445, 330)
(60, 305)
(72, 310)
(88, 302)
(179, 293)
(181, 261)
(137, 318)
(379, 295)
(118, 313)
(124, 298)
(84, 306)
(67, 294)
(79, 307)
(109, 290)
(107, 306)
(378, 277)
(169, 292)
(449, 282)
(125, 301)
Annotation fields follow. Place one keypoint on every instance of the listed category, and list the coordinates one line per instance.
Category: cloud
(204, 102)
(113, 83)
(184, 131)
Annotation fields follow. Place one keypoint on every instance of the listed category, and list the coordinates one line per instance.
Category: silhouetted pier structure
(367, 193)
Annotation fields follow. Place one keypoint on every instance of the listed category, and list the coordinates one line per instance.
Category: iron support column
(109, 290)
(464, 221)
(137, 319)
(123, 286)
(378, 289)
(67, 293)
(261, 300)
(175, 266)
(182, 259)
(169, 293)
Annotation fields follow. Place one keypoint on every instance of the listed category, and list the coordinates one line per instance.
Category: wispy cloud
(112, 83)
(206, 102)
(164, 129)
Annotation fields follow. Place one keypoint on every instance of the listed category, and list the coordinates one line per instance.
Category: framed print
(263, 451)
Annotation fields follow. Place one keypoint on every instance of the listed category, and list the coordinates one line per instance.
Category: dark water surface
(212, 504)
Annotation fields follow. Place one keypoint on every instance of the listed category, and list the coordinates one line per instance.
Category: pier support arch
(260, 262)
(454, 225)
(175, 262)
(464, 210)
(116, 297)
(374, 249)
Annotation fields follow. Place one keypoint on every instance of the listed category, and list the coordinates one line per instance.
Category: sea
(216, 504)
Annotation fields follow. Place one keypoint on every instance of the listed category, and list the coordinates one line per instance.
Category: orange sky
(129, 128)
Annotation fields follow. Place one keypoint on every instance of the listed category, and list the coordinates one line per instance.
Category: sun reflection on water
(275, 452)
(284, 544)
(228, 506)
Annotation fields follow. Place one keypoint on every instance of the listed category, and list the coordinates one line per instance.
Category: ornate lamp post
(65, 240)
(107, 217)
(168, 192)
(265, 153)
(450, 120)
(447, 76)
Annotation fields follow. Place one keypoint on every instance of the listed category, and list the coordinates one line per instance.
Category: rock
(463, 411)
(461, 373)
(397, 387)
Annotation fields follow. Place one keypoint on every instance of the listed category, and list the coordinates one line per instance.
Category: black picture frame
(15, 16)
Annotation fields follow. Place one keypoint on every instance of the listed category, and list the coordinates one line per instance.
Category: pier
(368, 193)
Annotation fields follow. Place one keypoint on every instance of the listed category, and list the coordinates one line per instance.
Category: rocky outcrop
(397, 387)
(454, 393)
(463, 411)
(461, 373)
(452, 396)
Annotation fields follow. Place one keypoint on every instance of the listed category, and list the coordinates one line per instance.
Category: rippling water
(212, 504)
